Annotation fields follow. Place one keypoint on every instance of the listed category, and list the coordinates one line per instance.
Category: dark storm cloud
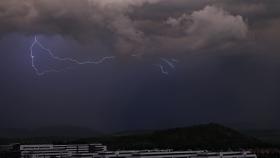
(227, 50)
(187, 26)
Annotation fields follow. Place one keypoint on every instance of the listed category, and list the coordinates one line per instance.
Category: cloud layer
(122, 25)
(209, 27)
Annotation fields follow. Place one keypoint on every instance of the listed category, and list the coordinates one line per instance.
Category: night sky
(176, 63)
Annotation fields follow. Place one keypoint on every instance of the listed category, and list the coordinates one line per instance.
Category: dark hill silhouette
(208, 136)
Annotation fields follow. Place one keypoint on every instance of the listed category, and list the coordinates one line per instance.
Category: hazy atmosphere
(116, 65)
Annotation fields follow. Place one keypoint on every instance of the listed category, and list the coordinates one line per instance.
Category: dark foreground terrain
(213, 137)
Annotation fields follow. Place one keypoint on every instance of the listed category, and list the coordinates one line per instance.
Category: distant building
(244, 154)
(60, 151)
(166, 154)
(100, 151)
(175, 154)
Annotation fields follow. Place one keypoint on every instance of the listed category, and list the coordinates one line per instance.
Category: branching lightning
(163, 71)
(67, 59)
(169, 62)
(174, 60)
(163, 61)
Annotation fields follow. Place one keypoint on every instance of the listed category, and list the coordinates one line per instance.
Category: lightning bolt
(36, 42)
(162, 69)
(67, 59)
(174, 60)
(170, 63)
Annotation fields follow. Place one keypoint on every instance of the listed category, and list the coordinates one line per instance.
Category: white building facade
(100, 151)
(60, 151)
